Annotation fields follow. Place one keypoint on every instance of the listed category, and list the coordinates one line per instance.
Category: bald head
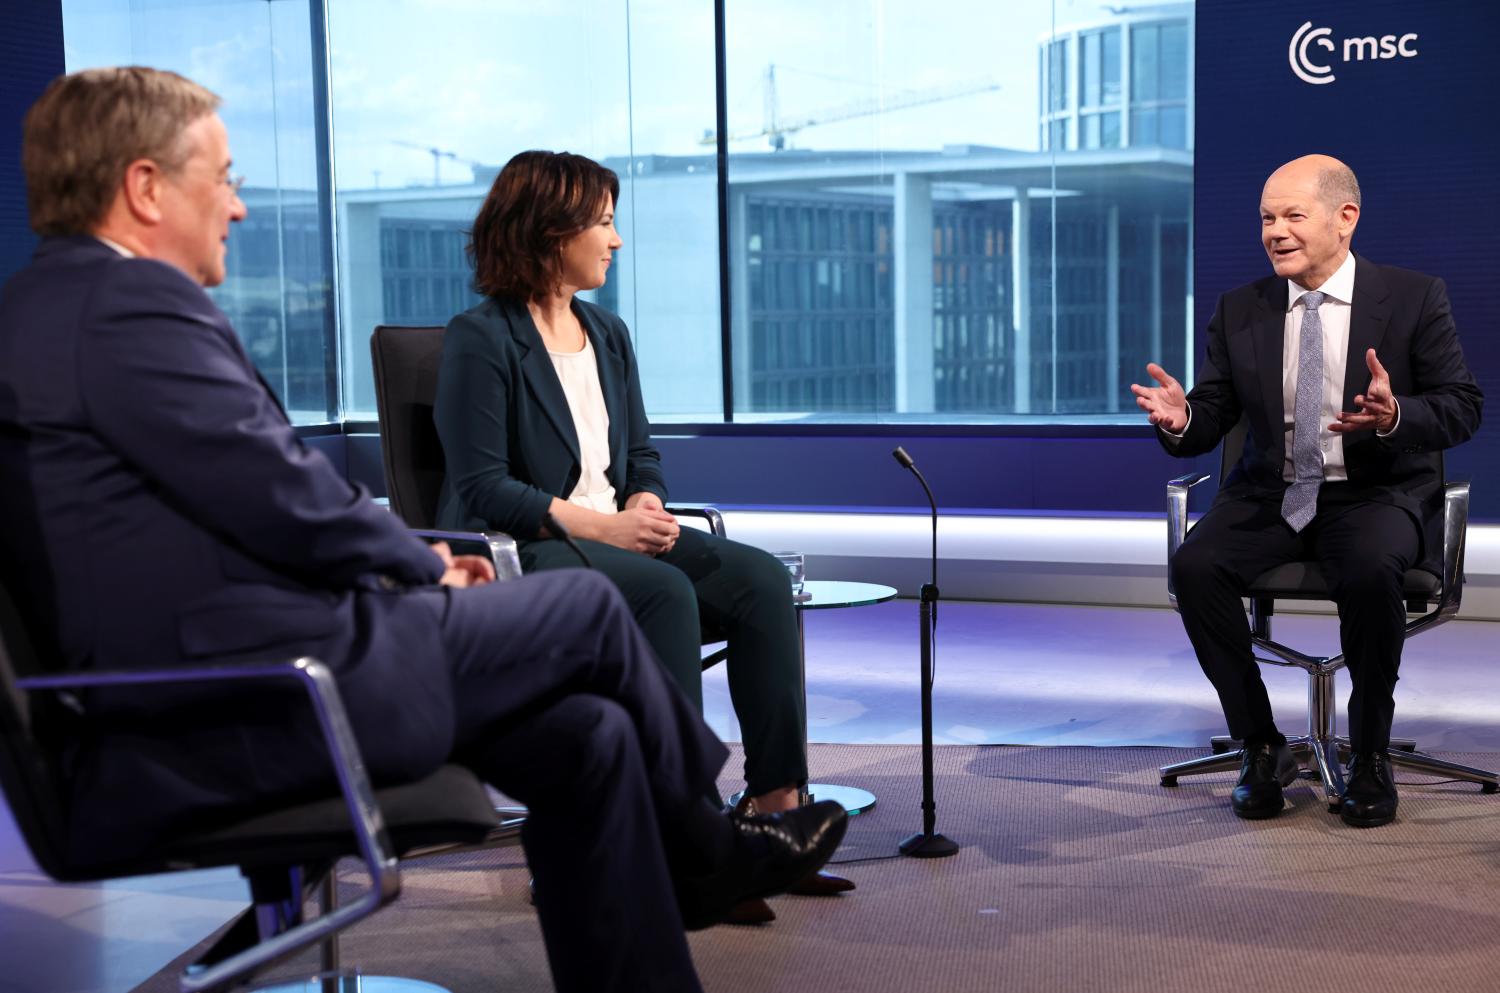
(1308, 210)
(1334, 181)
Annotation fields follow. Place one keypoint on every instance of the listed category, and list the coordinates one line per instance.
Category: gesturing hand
(1377, 405)
(1165, 404)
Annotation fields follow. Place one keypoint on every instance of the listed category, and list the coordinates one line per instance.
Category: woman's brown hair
(539, 201)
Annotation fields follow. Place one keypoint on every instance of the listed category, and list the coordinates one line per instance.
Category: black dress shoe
(770, 853)
(821, 883)
(1266, 768)
(1370, 793)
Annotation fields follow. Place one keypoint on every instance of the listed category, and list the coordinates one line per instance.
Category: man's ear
(1348, 219)
(142, 191)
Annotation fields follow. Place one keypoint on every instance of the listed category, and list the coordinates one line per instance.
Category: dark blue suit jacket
(507, 433)
(1406, 318)
(157, 509)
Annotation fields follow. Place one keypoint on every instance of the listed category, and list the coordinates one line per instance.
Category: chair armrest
(364, 815)
(707, 511)
(1177, 509)
(500, 547)
(1455, 543)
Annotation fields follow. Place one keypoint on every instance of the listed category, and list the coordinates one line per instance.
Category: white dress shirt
(579, 374)
(116, 246)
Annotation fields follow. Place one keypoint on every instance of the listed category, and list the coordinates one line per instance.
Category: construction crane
(775, 131)
(438, 155)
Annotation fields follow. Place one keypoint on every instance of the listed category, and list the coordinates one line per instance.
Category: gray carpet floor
(1078, 872)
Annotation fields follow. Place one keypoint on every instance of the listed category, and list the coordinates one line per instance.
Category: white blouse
(579, 374)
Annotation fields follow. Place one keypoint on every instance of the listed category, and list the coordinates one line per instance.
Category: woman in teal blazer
(520, 444)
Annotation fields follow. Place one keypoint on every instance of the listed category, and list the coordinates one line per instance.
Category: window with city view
(989, 225)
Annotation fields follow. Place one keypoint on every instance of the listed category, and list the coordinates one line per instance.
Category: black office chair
(286, 853)
(406, 361)
(1321, 752)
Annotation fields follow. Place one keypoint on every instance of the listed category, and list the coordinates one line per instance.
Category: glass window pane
(427, 108)
(909, 306)
(1090, 95)
(1174, 127)
(1174, 62)
(1110, 130)
(1111, 69)
(1145, 63)
(1057, 83)
(1143, 127)
(1059, 139)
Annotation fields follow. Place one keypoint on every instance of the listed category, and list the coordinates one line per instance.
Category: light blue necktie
(1300, 502)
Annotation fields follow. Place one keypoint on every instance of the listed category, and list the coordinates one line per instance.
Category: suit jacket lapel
(612, 384)
(1270, 340)
(1368, 317)
(540, 376)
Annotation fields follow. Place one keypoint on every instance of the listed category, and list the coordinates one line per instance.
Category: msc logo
(1354, 50)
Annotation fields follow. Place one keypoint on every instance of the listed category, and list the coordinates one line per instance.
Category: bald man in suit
(1351, 381)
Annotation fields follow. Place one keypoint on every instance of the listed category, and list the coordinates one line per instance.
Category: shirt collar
(116, 246)
(1339, 287)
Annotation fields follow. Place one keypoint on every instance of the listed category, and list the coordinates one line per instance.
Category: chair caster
(1172, 781)
(1334, 806)
(1489, 787)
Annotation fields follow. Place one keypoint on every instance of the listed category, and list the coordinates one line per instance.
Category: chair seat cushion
(1304, 581)
(450, 806)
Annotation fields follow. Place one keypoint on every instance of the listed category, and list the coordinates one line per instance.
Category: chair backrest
(29, 777)
(406, 369)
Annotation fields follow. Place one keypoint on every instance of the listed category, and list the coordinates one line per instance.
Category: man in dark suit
(1351, 381)
(158, 508)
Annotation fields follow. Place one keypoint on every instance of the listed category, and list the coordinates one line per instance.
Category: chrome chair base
(352, 984)
(1323, 754)
(1221, 743)
(1324, 760)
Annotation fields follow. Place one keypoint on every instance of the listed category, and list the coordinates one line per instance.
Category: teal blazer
(506, 429)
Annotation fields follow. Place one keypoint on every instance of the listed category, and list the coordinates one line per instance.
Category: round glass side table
(829, 594)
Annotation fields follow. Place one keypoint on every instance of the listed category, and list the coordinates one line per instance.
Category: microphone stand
(561, 533)
(927, 844)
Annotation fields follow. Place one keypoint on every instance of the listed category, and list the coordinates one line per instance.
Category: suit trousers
(743, 592)
(560, 704)
(1364, 549)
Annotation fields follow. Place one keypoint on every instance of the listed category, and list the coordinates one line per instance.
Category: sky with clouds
(483, 79)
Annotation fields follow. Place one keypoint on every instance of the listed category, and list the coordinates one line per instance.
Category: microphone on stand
(927, 843)
(561, 533)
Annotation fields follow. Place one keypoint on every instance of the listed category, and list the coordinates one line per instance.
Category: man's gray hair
(1338, 186)
(88, 126)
